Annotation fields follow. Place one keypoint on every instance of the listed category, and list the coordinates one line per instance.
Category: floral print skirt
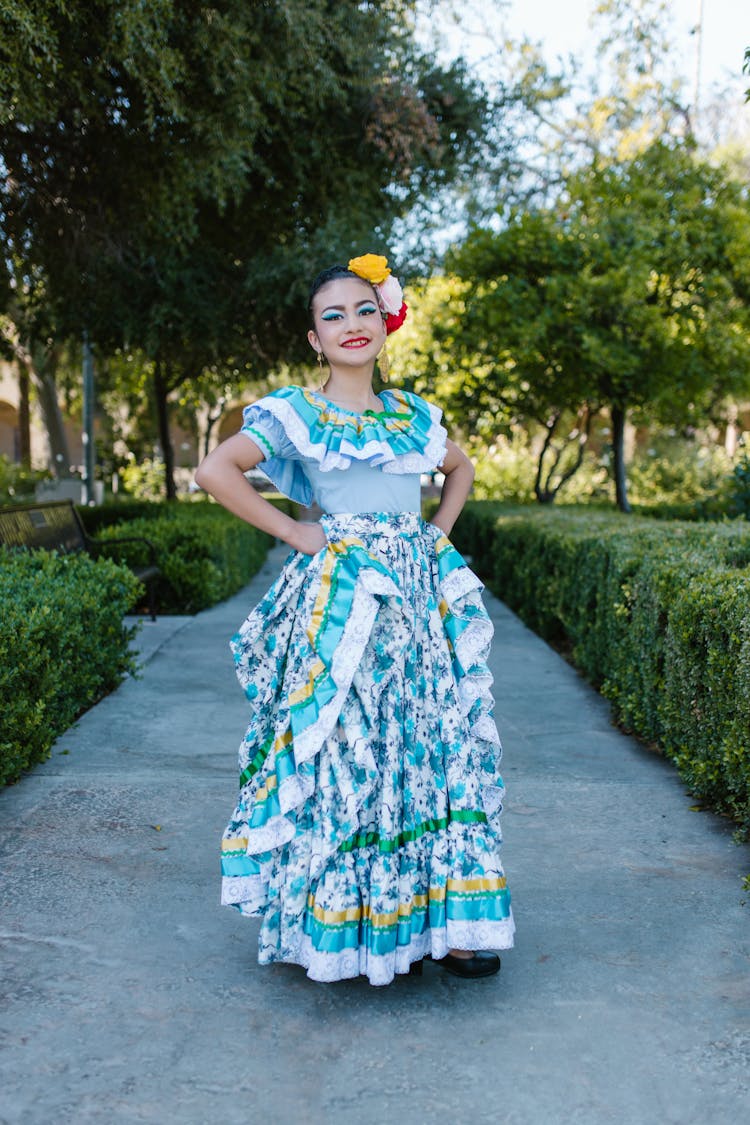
(367, 830)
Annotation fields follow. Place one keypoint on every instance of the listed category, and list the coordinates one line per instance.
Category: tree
(176, 173)
(495, 340)
(665, 283)
(633, 293)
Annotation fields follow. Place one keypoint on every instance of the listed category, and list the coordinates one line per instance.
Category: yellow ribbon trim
(271, 783)
(467, 886)
(297, 696)
(436, 894)
(340, 547)
(357, 913)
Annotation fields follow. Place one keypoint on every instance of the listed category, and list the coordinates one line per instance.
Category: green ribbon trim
(389, 414)
(254, 765)
(259, 437)
(387, 846)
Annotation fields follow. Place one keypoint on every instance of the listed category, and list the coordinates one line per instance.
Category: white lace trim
(274, 833)
(377, 452)
(249, 892)
(381, 969)
(492, 799)
(479, 935)
(346, 658)
(460, 582)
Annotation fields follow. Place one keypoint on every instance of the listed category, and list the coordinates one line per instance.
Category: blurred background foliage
(575, 235)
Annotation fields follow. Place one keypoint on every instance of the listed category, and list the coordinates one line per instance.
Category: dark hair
(331, 274)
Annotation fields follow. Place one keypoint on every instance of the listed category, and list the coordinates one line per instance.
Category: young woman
(366, 835)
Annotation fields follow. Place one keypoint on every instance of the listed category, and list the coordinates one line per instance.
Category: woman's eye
(367, 310)
(331, 316)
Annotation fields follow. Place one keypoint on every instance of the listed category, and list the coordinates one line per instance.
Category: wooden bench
(56, 526)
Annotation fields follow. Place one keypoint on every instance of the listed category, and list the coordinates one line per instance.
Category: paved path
(132, 996)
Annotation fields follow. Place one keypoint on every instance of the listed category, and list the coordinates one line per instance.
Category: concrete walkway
(131, 996)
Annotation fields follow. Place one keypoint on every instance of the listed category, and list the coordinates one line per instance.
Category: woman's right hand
(309, 538)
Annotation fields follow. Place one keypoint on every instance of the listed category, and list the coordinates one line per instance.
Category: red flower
(395, 320)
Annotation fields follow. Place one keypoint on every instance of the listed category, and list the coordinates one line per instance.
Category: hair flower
(395, 320)
(374, 268)
(391, 295)
(371, 267)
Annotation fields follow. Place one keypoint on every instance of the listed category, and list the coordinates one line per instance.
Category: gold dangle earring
(320, 368)
(384, 364)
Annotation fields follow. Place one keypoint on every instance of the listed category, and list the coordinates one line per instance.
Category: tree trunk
(619, 416)
(24, 416)
(545, 487)
(211, 418)
(731, 435)
(46, 390)
(40, 364)
(161, 393)
(543, 495)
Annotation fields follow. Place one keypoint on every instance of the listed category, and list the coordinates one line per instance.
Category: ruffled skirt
(367, 830)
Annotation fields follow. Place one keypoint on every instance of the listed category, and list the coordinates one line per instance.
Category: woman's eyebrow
(342, 308)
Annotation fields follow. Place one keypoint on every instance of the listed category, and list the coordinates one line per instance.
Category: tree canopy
(630, 293)
(174, 175)
(244, 134)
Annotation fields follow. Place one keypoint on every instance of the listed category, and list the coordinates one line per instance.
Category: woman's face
(349, 326)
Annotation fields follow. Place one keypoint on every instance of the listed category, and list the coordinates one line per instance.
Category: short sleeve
(267, 432)
(281, 457)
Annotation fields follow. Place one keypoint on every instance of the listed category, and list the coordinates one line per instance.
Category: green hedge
(62, 647)
(99, 518)
(655, 615)
(204, 553)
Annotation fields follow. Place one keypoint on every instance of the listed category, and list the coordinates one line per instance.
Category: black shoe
(481, 964)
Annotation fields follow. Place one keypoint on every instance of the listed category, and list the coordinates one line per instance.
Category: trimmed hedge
(99, 518)
(205, 554)
(655, 615)
(62, 647)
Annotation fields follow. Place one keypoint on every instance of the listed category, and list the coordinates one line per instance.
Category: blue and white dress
(367, 829)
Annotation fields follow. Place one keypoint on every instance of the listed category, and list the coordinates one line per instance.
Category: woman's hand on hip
(309, 538)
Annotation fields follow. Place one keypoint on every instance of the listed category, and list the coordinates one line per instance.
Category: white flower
(391, 295)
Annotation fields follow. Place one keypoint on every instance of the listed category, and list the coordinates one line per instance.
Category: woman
(366, 834)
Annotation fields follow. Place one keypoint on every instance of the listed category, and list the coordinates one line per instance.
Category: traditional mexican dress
(367, 833)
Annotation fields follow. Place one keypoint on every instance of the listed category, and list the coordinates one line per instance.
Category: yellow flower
(371, 267)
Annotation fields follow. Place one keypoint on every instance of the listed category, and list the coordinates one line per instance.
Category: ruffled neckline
(326, 402)
(334, 435)
(329, 407)
(408, 437)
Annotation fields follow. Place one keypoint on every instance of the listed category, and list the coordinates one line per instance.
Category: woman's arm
(221, 474)
(459, 477)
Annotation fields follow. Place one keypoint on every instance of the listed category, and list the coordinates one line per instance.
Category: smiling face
(349, 327)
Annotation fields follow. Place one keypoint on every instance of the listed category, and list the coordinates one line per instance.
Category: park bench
(56, 526)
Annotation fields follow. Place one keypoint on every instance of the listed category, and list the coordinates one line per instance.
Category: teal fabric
(309, 444)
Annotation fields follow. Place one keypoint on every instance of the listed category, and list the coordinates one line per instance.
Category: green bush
(673, 478)
(739, 487)
(17, 484)
(505, 470)
(675, 470)
(655, 615)
(97, 519)
(62, 647)
(144, 480)
(204, 553)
